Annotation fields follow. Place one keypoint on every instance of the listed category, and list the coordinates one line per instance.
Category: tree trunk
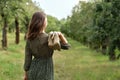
(4, 33)
(17, 31)
(104, 49)
(104, 46)
(111, 52)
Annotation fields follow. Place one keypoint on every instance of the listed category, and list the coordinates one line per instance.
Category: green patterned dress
(38, 58)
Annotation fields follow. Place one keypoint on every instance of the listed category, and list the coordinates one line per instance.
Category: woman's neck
(42, 31)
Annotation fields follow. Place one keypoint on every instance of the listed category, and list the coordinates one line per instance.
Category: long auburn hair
(36, 25)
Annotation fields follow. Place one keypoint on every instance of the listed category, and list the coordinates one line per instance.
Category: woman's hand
(62, 38)
(25, 76)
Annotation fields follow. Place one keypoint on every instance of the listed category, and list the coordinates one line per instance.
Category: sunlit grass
(11, 60)
(78, 63)
(81, 63)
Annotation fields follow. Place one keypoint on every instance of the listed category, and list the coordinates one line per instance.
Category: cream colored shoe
(50, 39)
(56, 41)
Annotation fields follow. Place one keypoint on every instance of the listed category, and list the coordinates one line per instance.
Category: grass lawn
(78, 63)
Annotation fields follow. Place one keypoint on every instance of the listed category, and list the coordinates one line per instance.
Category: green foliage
(65, 27)
(53, 24)
(95, 24)
(22, 9)
(77, 26)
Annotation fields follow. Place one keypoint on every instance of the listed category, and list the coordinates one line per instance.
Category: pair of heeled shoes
(54, 41)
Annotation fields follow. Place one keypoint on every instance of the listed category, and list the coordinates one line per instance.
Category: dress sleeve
(65, 46)
(28, 56)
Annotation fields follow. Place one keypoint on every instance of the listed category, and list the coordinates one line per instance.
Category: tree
(114, 28)
(4, 10)
(7, 7)
(14, 9)
(80, 21)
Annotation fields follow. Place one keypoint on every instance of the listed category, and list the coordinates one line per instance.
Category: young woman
(38, 63)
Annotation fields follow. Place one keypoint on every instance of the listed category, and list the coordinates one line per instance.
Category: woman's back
(41, 66)
(39, 46)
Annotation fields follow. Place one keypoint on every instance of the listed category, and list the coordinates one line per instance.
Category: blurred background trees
(15, 18)
(94, 23)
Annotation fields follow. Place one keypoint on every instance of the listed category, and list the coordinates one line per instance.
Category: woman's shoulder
(43, 35)
(40, 37)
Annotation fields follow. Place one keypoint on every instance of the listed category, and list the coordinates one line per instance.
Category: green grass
(78, 63)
